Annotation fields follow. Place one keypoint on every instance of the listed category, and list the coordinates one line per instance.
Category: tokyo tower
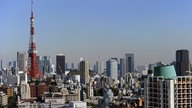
(33, 68)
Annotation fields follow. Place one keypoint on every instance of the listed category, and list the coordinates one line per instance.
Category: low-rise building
(3, 99)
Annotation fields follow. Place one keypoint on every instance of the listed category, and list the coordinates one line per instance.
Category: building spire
(32, 17)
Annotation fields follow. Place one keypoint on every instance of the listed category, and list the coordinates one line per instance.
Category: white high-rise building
(25, 90)
(90, 92)
(166, 90)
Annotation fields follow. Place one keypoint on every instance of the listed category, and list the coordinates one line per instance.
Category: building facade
(112, 68)
(122, 67)
(3, 99)
(129, 62)
(99, 67)
(84, 72)
(60, 64)
(21, 60)
(44, 64)
(166, 90)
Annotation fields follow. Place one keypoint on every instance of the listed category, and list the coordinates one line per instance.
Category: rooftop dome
(168, 72)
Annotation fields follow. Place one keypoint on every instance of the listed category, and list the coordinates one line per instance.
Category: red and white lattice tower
(33, 68)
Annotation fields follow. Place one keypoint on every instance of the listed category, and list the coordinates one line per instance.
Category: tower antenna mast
(33, 66)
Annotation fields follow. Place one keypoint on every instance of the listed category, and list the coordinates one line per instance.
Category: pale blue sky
(151, 29)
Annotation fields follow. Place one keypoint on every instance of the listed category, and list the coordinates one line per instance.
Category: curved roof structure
(168, 72)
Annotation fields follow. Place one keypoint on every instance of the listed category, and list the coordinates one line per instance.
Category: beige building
(3, 99)
(84, 72)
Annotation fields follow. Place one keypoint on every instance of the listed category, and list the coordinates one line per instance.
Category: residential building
(25, 90)
(167, 90)
(3, 99)
(10, 91)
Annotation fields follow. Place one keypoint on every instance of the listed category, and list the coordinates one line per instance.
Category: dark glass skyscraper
(129, 62)
(60, 64)
(182, 62)
(122, 67)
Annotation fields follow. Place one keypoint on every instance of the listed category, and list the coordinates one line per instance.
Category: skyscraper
(122, 67)
(21, 60)
(112, 68)
(129, 62)
(84, 72)
(1, 64)
(60, 64)
(99, 67)
(182, 62)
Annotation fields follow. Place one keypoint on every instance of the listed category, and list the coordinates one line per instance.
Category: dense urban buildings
(44, 64)
(182, 62)
(35, 82)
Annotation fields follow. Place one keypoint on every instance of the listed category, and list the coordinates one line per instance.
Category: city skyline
(98, 30)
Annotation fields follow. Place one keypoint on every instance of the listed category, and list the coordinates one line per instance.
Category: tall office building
(99, 67)
(129, 62)
(60, 64)
(112, 68)
(21, 61)
(1, 64)
(122, 67)
(84, 72)
(182, 62)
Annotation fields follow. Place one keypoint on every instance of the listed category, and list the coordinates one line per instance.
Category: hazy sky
(98, 29)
